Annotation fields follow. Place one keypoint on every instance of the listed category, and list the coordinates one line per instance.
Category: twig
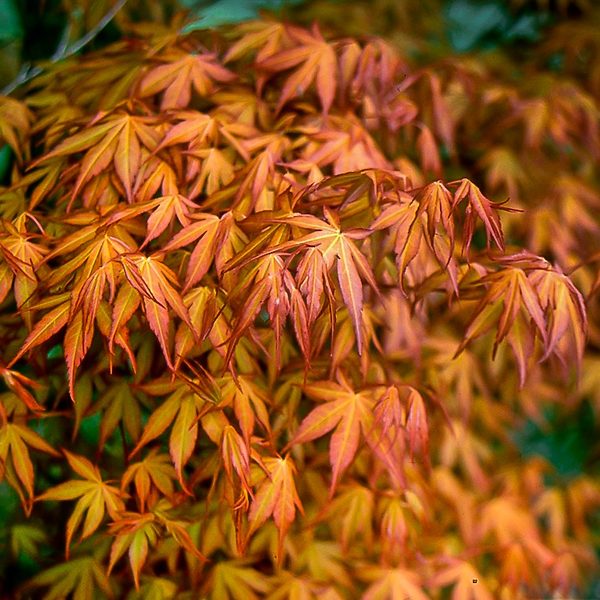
(63, 50)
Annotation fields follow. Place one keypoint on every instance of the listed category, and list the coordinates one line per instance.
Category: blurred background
(38, 30)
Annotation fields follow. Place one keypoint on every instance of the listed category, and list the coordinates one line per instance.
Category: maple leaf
(14, 440)
(565, 314)
(79, 577)
(153, 281)
(276, 496)
(15, 123)
(272, 282)
(202, 304)
(174, 205)
(468, 584)
(324, 561)
(258, 34)
(178, 248)
(395, 584)
(151, 475)
(232, 580)
(178, 74)
(216, 171)
(95, 497)
(479, 206)
(236, 457)
(344, 410)
(509, 522)
(509, 295)
(317, 61)
(249, 403)
(118, 139)
(427, 217)
(357, 504)
(206, 231)
(18, 383)
(336, 247)
(345, 145)
(134, 533)
(119, 404)
(23, 260)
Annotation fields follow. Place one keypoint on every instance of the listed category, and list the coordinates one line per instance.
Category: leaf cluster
(276, 275)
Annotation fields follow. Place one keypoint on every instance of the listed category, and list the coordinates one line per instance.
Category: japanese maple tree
(275, 301)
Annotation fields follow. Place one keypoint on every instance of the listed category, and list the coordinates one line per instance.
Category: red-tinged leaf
(97, 158)
(311, 275)
(235, 456)
(565, 313)
(158, 319)
(179, 531)
(264, 35)
(276, 496)
(202, 256)
(203, 223)
(395, 584)
(216, 172)
(417, 429)
(408, 243)
(244, 414)
(300, 319)
(126, 303)
(194, 126)
(121, 337)
(202, 309)
(256, 298)
(352, 293)
(17, 382)
(78, 339)
(155, 471)
(158, 276)
(183, 436)
(78, 142)
(346, 411)
(428, 151)
(44, 329)
(177, 76)
(168, 207)
(467, 582)
(344, 443)
(320, 421)
(390, 215)
(127, 158)
(83, 467)
(522, 346)
(510, 294)
(482, 207)
(317, 63)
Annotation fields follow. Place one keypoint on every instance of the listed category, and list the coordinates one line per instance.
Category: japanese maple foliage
(275, 272)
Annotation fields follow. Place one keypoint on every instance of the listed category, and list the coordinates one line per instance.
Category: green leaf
(223, 12)
(11, 21)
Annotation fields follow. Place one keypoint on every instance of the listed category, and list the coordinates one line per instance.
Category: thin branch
(63, 44)
(63, 50)
(92, 33)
